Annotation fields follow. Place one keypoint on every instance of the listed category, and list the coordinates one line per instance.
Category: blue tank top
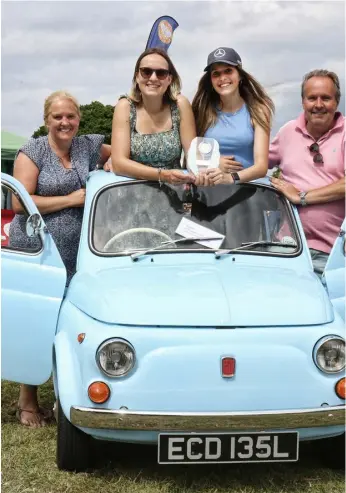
(235, 135)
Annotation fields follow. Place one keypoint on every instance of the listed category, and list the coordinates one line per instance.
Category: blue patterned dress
(55, 180)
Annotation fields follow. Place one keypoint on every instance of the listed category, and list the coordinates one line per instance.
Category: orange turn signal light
(340, 388)
(81, 337)
(99, 392)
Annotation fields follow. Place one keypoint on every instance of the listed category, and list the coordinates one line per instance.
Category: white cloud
(90, 48)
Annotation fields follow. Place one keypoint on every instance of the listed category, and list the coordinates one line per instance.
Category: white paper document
(189, 229)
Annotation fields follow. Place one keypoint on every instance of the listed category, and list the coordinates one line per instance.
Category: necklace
(63, 159)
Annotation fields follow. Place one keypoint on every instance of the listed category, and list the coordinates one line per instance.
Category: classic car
(194, 321)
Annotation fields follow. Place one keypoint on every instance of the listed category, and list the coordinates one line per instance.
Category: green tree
(96, 119)
(40, 132)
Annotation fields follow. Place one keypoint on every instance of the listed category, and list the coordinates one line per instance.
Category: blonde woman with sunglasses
(153, 123)
(233, 108)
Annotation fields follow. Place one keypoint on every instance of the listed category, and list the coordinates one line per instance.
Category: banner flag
(161, 33)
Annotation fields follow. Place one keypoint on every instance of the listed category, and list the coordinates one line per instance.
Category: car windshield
(142, 216)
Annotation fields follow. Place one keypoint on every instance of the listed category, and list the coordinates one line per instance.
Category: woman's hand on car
(229, 165)
(176, 177)
(108, 165)
(77, 198)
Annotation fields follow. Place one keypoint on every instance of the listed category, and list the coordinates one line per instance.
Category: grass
(28, 466)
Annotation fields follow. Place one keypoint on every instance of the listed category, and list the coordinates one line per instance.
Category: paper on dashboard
(189, 229)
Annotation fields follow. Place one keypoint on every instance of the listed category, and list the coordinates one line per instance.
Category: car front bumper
(218, 421)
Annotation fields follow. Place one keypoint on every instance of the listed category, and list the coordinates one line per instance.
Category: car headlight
(329, 354)
(115, 357)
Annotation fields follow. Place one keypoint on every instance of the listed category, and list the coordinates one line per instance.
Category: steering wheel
(108, 246)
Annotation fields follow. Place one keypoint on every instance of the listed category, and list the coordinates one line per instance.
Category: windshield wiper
(135, 256)
(246, 245)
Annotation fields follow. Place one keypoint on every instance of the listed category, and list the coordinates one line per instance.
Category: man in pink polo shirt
(310, 152)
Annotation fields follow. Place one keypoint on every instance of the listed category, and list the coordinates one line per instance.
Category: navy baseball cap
(223, 55)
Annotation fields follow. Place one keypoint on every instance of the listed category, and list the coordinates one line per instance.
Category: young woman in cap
(233, 108)
(153, 123)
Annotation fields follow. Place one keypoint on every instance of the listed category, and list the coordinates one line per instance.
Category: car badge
(227, 367)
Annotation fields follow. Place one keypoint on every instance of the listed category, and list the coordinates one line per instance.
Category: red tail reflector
(228, 367)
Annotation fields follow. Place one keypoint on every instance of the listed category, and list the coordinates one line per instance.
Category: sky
(90, 48)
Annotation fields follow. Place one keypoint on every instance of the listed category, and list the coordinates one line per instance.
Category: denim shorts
(319, 260)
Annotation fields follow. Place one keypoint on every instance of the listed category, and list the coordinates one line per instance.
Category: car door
(33, 285)
(334, 273)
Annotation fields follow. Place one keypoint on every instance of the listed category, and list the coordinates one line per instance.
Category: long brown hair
(173, 89)
(207, 100)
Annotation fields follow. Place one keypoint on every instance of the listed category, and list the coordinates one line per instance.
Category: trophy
(203, 154)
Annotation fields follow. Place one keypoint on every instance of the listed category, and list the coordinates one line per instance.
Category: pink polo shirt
(290, 151)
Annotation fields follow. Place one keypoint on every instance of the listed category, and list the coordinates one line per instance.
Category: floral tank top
(159, 150)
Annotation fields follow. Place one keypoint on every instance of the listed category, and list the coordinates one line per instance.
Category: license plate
(202, 448)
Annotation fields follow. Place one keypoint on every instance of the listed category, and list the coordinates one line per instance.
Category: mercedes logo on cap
(219, 53)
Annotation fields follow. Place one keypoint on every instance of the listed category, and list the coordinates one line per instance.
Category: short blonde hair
(59, 95)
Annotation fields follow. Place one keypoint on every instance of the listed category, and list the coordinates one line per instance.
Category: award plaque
(203, 154)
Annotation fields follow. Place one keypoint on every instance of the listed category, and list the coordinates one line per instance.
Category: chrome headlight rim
(317, 347)
(110, 341)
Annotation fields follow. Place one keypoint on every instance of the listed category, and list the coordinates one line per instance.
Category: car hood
(197, 295)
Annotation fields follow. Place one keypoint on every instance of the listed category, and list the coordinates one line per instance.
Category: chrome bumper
(193, 421)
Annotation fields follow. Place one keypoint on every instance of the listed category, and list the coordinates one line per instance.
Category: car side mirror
(33, 225)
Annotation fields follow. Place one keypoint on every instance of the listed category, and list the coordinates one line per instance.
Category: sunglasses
(315, 148)
(218, 73)
(161, 73)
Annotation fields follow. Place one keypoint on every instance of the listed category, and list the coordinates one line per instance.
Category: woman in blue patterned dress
(53, 170)
(153, 124)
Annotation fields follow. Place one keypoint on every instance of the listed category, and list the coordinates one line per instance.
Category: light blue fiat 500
(194, 321)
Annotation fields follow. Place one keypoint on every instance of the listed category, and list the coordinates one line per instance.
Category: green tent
(10, 143)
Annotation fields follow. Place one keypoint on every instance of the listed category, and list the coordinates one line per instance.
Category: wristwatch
(302, 196)
(235, 178)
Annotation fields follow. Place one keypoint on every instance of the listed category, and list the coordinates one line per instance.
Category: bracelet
(160, 182)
